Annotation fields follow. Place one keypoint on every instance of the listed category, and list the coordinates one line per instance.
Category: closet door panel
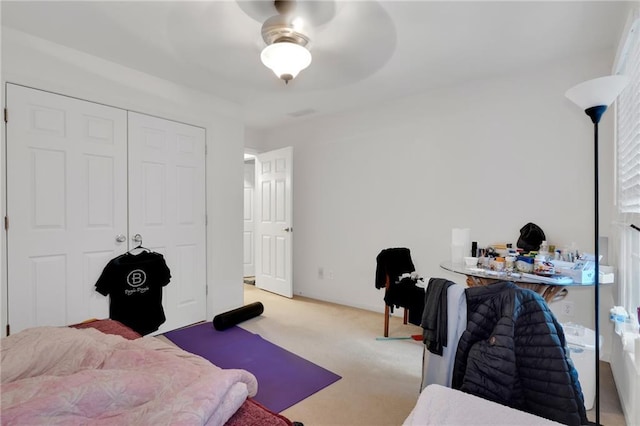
(154, 191)
(66, 202)
(47, 275)
(167, 208)
(188, 295)
(47, 183)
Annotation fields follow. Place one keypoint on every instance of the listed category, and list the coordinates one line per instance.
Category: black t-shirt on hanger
(134, 284)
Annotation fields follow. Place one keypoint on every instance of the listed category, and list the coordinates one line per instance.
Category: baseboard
(366, 307)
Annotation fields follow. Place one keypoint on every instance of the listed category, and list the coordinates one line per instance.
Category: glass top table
(550, 288)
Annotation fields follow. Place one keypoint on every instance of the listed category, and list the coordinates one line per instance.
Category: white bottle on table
(544, 249)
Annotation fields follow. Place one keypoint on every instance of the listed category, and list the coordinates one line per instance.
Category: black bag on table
(531, 236)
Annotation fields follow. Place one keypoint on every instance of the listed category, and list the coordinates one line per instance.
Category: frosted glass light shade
(285, 59)
(597, 92)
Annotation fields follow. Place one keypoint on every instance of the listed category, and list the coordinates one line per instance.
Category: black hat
(531, 236)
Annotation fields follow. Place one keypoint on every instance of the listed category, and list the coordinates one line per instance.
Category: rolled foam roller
(236, 316)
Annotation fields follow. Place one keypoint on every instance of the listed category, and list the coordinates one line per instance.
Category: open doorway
(249, 266)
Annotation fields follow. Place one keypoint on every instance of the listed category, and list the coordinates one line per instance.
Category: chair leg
(387, 283)
(406, 315)
(386, 320)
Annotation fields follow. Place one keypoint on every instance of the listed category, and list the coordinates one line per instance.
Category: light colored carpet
(380, 378)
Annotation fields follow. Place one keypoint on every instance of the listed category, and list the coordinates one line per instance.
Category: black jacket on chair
(514, 352)
(392, 262)
(406, 294)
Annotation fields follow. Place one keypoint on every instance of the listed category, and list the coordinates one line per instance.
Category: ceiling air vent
(302, 112)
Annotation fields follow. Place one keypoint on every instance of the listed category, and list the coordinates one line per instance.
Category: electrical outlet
(320, 273)
(567, 308)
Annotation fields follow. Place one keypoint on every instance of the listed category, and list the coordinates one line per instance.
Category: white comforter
(442, 406)
(66, 376)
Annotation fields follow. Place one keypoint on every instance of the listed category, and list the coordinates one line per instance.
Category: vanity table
(550, 288)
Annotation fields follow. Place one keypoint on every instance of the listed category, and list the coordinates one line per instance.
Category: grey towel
(434, 315)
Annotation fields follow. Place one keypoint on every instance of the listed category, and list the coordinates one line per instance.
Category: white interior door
(66, 205)
(167, 208)
(249, 222)
(274, 224)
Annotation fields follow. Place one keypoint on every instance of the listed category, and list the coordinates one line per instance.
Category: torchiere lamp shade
(600, 91)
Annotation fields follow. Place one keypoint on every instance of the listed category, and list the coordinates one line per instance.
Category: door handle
(288, 229)
(121, 238)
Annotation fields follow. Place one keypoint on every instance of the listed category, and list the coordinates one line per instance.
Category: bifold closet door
(79, 186)
(66, 205)
(167, 208)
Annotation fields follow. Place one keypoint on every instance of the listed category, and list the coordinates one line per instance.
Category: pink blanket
(66, 376)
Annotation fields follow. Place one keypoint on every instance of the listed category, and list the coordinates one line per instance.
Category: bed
(102, 372)
(442, 406)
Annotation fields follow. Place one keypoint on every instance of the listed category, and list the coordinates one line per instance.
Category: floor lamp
(594, 97)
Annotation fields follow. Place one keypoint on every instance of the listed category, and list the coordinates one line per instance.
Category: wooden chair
(391, 263)
(387, 310)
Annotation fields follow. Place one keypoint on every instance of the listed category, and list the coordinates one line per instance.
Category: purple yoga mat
(284, 378)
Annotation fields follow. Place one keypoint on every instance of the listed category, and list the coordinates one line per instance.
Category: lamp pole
(595, 113)
(596, 291)
(594, 96)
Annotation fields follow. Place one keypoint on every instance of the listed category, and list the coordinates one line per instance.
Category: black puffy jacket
(514, 352)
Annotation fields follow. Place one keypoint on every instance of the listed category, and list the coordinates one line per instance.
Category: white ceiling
(364, 52)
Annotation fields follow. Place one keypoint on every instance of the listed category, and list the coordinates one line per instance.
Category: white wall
(490, 155)
(43, 65)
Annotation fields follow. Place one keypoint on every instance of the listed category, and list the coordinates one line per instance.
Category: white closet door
(167, 208)
(66, 204)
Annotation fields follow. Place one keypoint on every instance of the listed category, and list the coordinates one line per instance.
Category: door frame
(250, 155)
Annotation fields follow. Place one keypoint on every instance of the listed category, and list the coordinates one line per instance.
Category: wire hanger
(138, 238)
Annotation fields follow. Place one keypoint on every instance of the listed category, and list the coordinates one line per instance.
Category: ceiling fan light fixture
(286, 59)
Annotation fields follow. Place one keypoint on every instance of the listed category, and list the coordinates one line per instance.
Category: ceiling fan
(349, 39)
(285, 34)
